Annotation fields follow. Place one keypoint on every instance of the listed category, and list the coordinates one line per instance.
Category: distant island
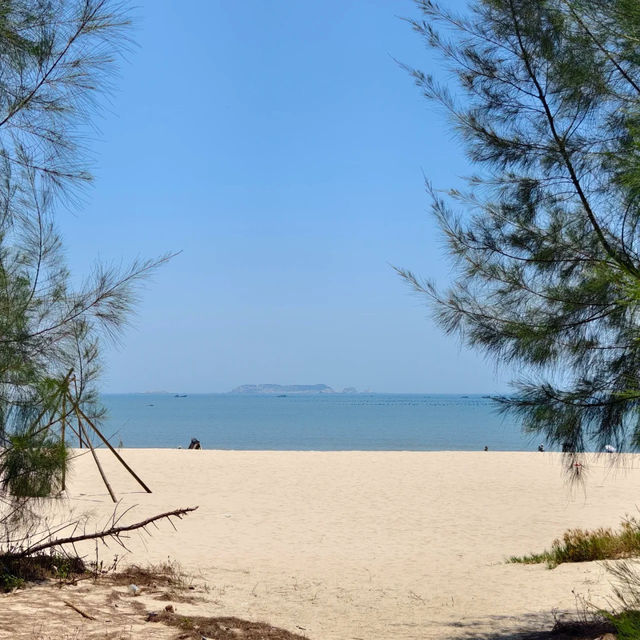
(281, 389)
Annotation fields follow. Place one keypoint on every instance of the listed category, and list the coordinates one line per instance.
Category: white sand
(368, 545)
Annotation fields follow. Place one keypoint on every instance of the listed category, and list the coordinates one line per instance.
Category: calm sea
(314, 422)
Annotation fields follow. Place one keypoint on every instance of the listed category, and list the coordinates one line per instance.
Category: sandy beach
(360, 545)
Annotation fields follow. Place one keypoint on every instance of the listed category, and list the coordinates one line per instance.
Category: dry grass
(166, 582)
(79, 634)
(167, 574)
(215, 628)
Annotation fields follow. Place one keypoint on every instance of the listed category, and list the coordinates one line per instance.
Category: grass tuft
(533, 558)
(166, 574)
(579, 545)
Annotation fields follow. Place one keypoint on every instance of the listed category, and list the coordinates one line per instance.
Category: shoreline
(596, 454)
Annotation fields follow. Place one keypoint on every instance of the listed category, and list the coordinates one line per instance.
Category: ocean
(325, 422)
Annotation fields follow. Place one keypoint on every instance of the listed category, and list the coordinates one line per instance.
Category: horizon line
(311, 393)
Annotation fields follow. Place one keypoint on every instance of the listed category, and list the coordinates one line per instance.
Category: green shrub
(578, 545)
(626, 623)
(9, 582)
(16, 570)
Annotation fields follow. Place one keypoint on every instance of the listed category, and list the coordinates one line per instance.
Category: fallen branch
(112, 532)
(80, 611)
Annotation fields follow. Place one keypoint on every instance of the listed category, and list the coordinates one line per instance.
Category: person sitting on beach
(541, 447)
(195, 444)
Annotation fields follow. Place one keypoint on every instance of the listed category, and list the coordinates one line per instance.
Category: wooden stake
(115, 453)
(64, 422)
(95, 457)
(75, 433)
(75, 386)
(83, 433)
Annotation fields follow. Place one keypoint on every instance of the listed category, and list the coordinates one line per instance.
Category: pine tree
(546, 236)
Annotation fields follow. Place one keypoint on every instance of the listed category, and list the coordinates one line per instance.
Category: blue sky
(280, 148)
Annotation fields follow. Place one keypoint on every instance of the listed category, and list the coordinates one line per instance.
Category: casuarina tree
(546, 234)
(56, 58)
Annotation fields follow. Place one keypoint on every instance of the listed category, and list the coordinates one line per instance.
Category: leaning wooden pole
(95, 457)
(75, 433)
(83, 432)
(115, 453)
(64, 424)
(75, 406)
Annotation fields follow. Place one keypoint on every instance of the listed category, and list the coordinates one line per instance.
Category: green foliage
(9, 582)
(626, 624)
(625, 617)
(16, 571)
(546, 236)
(534, 558)
(55, 58)
(33, 465)
(578, 545)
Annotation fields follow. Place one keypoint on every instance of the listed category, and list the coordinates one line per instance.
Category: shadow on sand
(529, 627)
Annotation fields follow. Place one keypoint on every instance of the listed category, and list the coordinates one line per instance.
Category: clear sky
(281, 148)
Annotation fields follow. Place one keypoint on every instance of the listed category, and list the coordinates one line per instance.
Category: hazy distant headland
(280, 389)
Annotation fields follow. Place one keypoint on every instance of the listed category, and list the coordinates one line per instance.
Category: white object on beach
(134, 589)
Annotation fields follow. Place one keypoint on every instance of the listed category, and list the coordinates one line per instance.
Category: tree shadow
(530, 627)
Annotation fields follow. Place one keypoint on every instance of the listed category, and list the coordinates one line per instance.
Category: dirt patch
(166, 575)
(216, 628)
(165, 583)
(176, 596)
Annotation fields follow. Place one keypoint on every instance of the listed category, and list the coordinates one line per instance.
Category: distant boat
(180, 395)
(282, 395)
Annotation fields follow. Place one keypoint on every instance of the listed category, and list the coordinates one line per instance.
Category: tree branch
(623, 261)
(112, 532)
